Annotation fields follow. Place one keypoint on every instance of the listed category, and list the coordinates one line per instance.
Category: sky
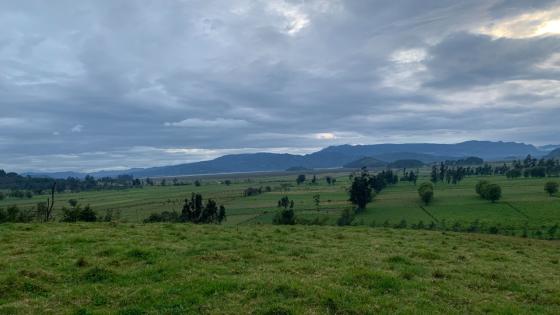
(90, 85)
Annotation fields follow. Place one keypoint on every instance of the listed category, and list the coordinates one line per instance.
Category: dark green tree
(286, 216)
(426, 192)
(551, 188)
(492, 192)
(360, 192)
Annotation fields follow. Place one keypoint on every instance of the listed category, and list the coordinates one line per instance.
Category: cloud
(293, 75)
(204, 123)
(77, 128)
(325, 136)
(464, 60)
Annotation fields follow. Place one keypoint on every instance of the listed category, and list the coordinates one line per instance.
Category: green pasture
(524, 203)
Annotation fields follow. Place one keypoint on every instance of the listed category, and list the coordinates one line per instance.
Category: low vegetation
(98, 268)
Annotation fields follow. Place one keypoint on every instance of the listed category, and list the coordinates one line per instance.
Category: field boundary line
(517, 210)
(429, 214)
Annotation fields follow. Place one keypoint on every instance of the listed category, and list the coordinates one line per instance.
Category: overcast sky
(89, 85)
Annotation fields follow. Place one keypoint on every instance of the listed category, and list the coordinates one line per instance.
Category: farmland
(524, 205)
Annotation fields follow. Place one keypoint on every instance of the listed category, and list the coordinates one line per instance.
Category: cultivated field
(99, 268)
(524, 205)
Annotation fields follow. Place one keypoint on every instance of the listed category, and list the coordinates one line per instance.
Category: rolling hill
(336, 156)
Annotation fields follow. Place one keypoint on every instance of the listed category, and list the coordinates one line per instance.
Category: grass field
(101, 268)
(524, 202)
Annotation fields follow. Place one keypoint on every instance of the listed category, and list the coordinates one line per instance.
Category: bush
(111, 215)
(87, 215)
(70, 214)
(251, 191)
(165, 216)
(492, 192)
(551, 188)
(480, 187)
(488, 191)
(346, 217)
(15, 215)
(426, 192)
(76, 213)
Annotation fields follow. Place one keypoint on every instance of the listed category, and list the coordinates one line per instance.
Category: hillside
(177, 269)
(333, 157)
(554, 154)
(368, 162)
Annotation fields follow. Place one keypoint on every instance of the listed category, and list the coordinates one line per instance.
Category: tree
(286, 216)
(2, 196)
(195, 211)
(434, 175)
(426, 192)
(222, 213)
(317, 200)
(73, 202)
(50, 204)
(314, 180)
(481, 187)
(551, 188)
(492, 192)
(300, 179)
(360, 191)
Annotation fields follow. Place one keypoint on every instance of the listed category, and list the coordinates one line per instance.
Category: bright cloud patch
(77, 128)
(525, 25)
(206, 123)
(325, 136)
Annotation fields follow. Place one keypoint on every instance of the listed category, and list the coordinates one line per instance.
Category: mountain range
(331, 157)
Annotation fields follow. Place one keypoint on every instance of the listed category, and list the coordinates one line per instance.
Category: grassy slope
(262, 269)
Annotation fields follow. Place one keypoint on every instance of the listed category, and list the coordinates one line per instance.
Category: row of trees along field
(27, 186)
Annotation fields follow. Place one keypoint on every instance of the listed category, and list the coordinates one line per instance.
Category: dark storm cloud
(114, 84)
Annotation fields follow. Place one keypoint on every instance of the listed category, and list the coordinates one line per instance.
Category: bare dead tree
(50, 204)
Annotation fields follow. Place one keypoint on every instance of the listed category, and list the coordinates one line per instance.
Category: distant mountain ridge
(335, 157)
(554, 154)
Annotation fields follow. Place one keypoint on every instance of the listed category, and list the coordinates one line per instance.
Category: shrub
(286, 216)
(87, 214)
(15, 215)
(551, 188)
(76, 213)
(111, 215)
(481, 187)
(165, 216)
(346, 217)
(426, 192)
(492, 192)
(251, 191)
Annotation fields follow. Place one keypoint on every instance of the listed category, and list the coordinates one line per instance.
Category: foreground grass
(177, 269)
